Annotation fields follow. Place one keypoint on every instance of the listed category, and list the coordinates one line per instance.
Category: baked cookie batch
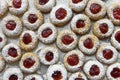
(69, 53)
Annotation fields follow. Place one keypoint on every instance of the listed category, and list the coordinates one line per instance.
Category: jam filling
(103, 28)
(117, 36)
(95, 8)
(12, 52)
(79, 79)
(107, 53)
(116, 13)
(49, 56)
(61, 13)
(94, 70)
(43, 2)
(28, 63)
(46, 33)
(27, 38)
(88, 43)
(13, 77)
(67, 39)
(32, 18)
(80, 24)
(17, 3)
(11, 25)
(73, 60)
(1, 39)
(76, 1)
(57, 75)
(33, 78)
(115, 73)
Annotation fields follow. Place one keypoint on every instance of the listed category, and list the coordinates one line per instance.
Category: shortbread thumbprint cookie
(60, 15)
(103, 28)
(13, 74)
(29, 63)
(77, 76)
(107, 54)
(11, 53)
(115, 39)
(113, 12)
(113, 72)
(56, 72)
(47, 33)
(3, 40)
(45, 5)
(96, 9)
(28, 40)
(78, 5)
(88, 44)
(49, 55)
(94, 70)
(80, 24)
(66, 40)
(18, 7)
(12, 26)
(2, 64)
(3, 8)
(74, 60)
(32, 19)
(33, 77)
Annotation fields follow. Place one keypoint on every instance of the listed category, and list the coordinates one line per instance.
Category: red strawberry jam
(79, 79)
(115, 73)
(88, 43)
(94, 70)
(73, 60)
(61, 13)
(43, 2)
(116, 13)
(80, 24)
(46, 32)
(76, 1)
(95, 8)
(103, 28)
(49, 56)
(32, 18)
(107, 53)
(27, 38)
(11, 25)
(117, 36)
(12, 52)
(57, 75)
(28, 63)
(67, 39)
(13, 77)
(33, 78)
(17, 3)
(1, 39)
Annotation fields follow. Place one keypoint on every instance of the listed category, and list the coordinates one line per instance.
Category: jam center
(80, 24)
(46, 33)
(33, 78)
(79, 79)
(28, 63)
(43, 2)
(95, 8)
(116, 13)
(1, 39)
(12, 52)
(11, 25)
(117, 36)
(76, 1)
(17, 3)
(13, 77)
(88, 43)
(94, 70)
(27, 38)
(103, 28)
(61, 13)
(32, 18)
(107, 53)
(67, 39)
(115, 73)
(73, 60)
(49, 56)
(57, 75)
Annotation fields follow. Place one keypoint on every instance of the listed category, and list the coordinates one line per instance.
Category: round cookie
(3, 40)
(2, 64)
(33, 77)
